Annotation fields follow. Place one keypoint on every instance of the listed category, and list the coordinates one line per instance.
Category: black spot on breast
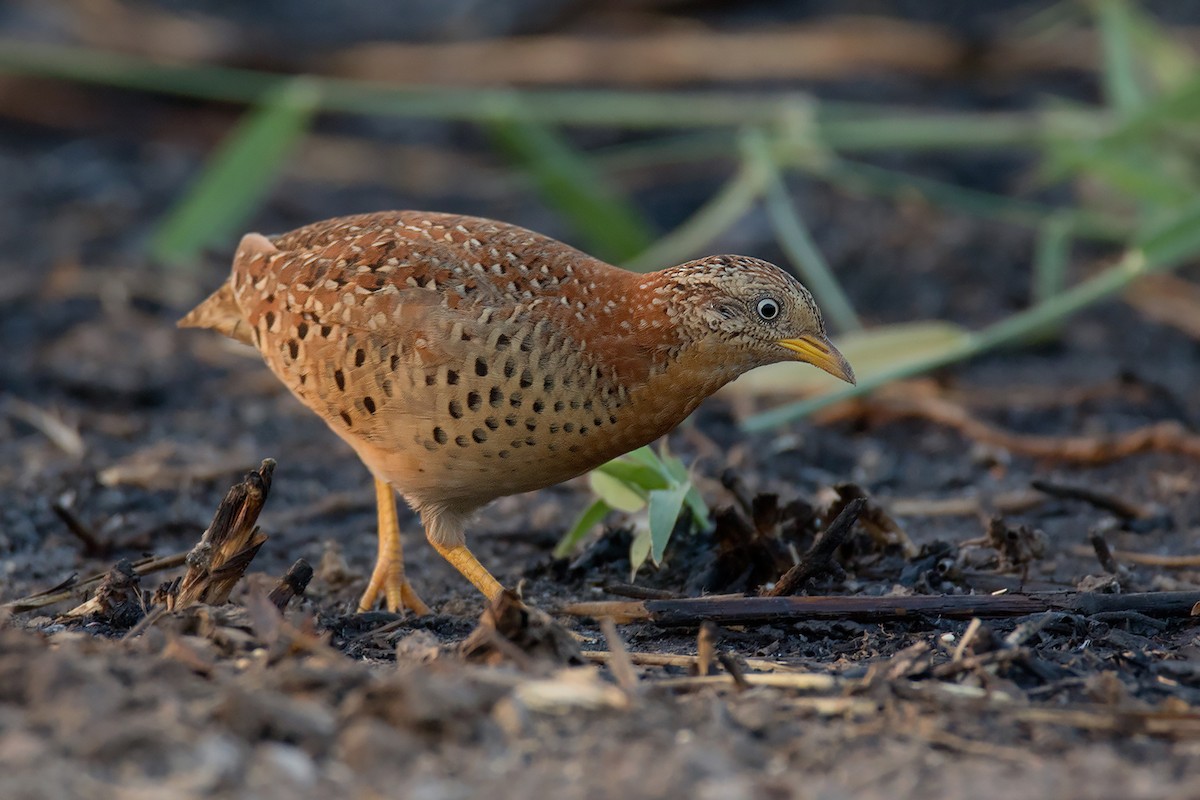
(474, 401)
(395, 362)
(369, 404)
(515, 400)
(526, 379)
(597, 422)
(511, 420)
(548, 383)
(387, 387)
(554, 427)
(612, 418)
(587, 404)
(583, 430)
(559, 405)
(491, 423)
(510, 368)
(461, 441)
(430, 379)
(346, 418)
(456, 409)
(479, 435)
(569, 427)
(495, 397)
(538, 406)
(481, 367)
(502, 342)
(326, 330)
(339, 378)
(439, 436)
(573, 448)
(452, 377)
(530, 441)
(303, 378)
(527, 344)
(293, 348)
(269, 318)
(504, 454)
(360, 356)
(530, 424)
(302, 330)
(575, 405)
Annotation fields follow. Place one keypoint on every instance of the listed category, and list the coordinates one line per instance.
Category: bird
(465, 359)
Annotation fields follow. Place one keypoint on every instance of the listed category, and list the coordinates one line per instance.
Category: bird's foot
(388, 579)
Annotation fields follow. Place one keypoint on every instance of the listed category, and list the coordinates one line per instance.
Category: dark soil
(228, 701)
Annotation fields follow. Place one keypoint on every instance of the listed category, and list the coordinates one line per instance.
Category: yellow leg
(465, 562)
(388, 575)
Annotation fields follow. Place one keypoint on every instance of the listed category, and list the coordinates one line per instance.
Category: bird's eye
(768, 309)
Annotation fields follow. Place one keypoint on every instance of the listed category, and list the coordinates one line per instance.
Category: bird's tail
(221, 313)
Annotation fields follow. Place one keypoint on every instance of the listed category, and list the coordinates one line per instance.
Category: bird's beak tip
(818, 351)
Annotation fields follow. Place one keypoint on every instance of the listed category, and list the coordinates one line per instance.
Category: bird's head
(749, 313)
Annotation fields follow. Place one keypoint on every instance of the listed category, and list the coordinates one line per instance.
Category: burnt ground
(138, 429)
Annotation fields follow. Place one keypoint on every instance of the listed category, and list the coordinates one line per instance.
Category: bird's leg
(465, 562)
(388, 575)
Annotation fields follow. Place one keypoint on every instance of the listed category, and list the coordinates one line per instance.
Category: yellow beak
(817, 350)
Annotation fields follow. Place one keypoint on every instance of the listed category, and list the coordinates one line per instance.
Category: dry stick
(706, 641)
(639, 592)
(918, 400)
(1122, 508)
(92, 544)
(820, 557)
(744, 610)
(685, 662)
(620, 663)
(1145, 559)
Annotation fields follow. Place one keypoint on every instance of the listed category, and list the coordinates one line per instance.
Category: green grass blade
(1122, 87)
(239, 175)
(592, 516)
(1164, 249)
(719, 214)
(797, 242)
(610, 225)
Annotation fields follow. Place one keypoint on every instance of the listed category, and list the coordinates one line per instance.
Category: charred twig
(292, 584)
(1103, 554)
(734, 668)
(93, 546)
(1116, 505)
(217, 562)
(776, 610)
(71, 587)
(819, 559)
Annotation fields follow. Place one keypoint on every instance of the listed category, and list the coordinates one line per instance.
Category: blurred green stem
(1162, 251)
(796, 240)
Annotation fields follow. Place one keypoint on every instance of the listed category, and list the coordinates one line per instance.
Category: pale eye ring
(768, 308)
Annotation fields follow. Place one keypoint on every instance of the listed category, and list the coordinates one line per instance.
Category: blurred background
(955, 181)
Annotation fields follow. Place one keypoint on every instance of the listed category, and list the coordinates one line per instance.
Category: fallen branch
(782, 610)
(71, 588)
